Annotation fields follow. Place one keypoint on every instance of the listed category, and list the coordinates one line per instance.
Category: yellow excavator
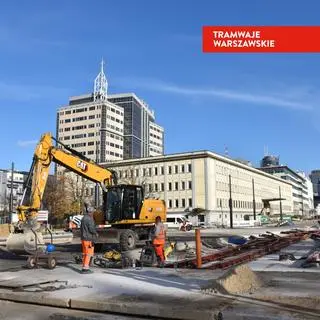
(129, 216)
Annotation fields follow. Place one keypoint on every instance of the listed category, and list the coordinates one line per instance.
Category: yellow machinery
(130, 215)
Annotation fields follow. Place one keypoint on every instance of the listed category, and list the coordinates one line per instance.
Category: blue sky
(51, 50)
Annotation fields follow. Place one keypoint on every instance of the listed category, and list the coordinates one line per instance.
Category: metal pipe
(198, 248)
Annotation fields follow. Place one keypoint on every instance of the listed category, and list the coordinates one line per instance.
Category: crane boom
(46, 153)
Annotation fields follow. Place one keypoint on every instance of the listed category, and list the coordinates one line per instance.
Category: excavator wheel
(127, 240)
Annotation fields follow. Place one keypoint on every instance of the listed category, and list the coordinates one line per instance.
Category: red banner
(282, 39)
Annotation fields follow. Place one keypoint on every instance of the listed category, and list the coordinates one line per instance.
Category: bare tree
(133, 175)
(76, 189)
(55, 200)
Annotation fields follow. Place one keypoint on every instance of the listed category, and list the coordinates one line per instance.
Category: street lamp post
(230, 203)
(254, 201)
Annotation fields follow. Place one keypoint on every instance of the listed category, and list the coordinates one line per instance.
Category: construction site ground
(265, 288)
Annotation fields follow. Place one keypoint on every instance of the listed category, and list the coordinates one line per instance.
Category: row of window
(111, 153)
(155, 136)
(156, 150)
(156, 129)
(112, 127)
(184, 185)
(224, 203)
(154, 171)
(111, 144)
(92, 108)
(115, 119)
(156, 144)
(179, 204)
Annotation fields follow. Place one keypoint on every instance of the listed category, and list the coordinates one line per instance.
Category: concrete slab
(163, 293)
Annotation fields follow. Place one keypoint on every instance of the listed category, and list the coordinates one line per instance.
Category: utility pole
(254, 201)
(230, 203)
(281, 218)
(11, 191)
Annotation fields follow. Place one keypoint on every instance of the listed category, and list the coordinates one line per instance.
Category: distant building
(200, 180)
(107, 127)
(142, 136)
(301, 187)
(19, 177)
(269, 161)
(315, 179)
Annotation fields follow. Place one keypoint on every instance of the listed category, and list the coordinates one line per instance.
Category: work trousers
(159, 249)
(87, 253)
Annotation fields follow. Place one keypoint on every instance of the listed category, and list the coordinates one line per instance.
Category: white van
(176, 220)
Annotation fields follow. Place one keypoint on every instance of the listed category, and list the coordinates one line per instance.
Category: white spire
(100, 85)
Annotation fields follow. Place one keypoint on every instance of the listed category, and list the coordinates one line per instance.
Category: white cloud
(26, 143)
(19, 92)
(301, 100)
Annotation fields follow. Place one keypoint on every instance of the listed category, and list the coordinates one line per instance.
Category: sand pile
(238, 280)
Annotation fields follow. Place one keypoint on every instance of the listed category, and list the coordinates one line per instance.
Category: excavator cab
(123, 202)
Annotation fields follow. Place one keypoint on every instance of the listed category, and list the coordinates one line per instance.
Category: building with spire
(91, 124)
(107, 127)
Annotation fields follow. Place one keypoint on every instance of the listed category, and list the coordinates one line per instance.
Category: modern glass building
(139, 124)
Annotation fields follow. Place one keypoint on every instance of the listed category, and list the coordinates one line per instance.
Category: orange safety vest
(160, 238)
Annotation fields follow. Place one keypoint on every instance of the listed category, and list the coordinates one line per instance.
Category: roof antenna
(226, 151)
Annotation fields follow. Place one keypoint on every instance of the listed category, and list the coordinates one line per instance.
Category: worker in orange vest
(159, 240)
(88, 235)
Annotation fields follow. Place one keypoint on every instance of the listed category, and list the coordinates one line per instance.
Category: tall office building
(142, 136)
(109, 127)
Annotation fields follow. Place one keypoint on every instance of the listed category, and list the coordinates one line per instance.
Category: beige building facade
(202, 180)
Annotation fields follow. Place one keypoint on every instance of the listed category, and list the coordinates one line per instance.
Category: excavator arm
(46, 153)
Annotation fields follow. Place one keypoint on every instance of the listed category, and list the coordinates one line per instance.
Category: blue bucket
(51, 248)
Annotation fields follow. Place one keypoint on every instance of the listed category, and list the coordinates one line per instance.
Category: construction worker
(88, 234)
(159, 240)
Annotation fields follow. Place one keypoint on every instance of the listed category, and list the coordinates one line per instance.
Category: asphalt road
(21, 311)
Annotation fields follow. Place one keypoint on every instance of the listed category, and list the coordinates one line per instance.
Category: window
(150, 172)
(155, 171)
(91, 134)
(183, 203)
(170, 204)
(176, 169)
(177, 203)
(190, 202)
(92, 117)
(182, 168)
(169, 170)
(92, 108)
(162, 186)
(170, 186)
(137, 172)
(183, 185)
(162, 170)
(176, 186)
(91, 143)
(190, 184)
(144, 172)
(67, 120)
